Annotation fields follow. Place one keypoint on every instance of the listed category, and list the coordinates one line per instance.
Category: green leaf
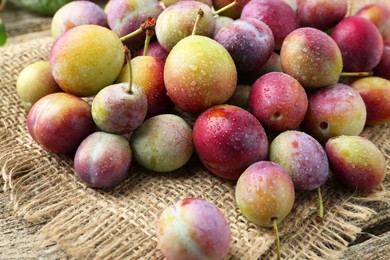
(3, 33)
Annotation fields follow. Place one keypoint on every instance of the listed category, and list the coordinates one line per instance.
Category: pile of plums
(278, 94)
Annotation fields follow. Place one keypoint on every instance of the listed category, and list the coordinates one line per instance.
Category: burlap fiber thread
(43, 189)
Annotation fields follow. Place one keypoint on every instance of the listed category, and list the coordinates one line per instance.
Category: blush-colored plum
(303, 157)
(77, 13)
(103, 160)
(162, 143)
(249, 41)
(265, 193)
(385, 31)
(312, 57)
(277, 14)
(59, 122)
(334, 110)
(360, 43)
(155, 50)
(278, 101)
(377, 13)
(375, 92)
(86, 59)
(383, 67)
(126, 16)
(199, 73)
(177, 21)
(119, 110)
(148, 74)
(233, 12)
(193, 228)
(220, 22)
(34, 82)
(228, 139)
(356, 162)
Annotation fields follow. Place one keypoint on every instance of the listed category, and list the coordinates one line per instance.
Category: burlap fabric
(66, 219)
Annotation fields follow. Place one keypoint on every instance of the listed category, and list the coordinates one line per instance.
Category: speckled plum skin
(126, 16)
(177, 21)
(86, 59)
(377, 13)
(34, 82)
(264, 192)
(228, 139)
(321, 14)
(356, 162)
(383, 67)
(233, 12)
(360, 43)
(303, 157)
(116, 110)
(103, 160)
(77, 13)
(375, 92)
(155, 50)
(277, 14)
(59, 122)
(193, 228)
(278, 101)
(312, 57)
(162, 143)
(334, 110)
(199, 73)
(250, 43)
(220, 22)
(148, 74)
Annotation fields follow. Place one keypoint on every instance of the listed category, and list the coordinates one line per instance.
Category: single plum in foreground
(60, 122)
(356, 162)
(228, 139)
(102, 160)
(193, 228)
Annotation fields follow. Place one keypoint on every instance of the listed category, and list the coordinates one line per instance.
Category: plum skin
(265, 192)
(193, 228)
(60, 121)
(228, 139)
(102, 160)
(356, 162)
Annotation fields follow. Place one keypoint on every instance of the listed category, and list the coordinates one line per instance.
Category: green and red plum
(103, 160)
(356, 162)
(228, 139)
(378, 13)
(193, 228)
(59, 122)
(383, 67)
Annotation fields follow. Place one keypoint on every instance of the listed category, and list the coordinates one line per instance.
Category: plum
(177, 21)
(59, 122)
(377, 13)
(250, 43)
(277, 14)
(383, 67)
(312, 57)
(240, 97)
(199, 73)
(334, 110)
(193, 228)
(171, 2)
(162, 143)
(360, 43)
(375, 92)
(155, 50)
(321, 14)
(356, 162)
(278, 101)
(385, 31)
(34, 82)
(148, 74)
(220, 22)
(77, 13)
(103, 160)
(86, 59)
(126, 16)
(228, 139)
(233, 12)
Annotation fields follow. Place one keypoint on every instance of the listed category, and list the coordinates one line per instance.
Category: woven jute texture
(72, 220)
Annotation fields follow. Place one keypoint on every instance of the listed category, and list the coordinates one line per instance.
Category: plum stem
(128, 59)
(200, 15)
(148, 26)
(356, 74)
(234, 3)
(351, 6)
(277, 240)
(320, 214)
(132, 34)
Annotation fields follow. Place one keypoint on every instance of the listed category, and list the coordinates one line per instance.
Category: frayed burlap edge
(88, 223)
